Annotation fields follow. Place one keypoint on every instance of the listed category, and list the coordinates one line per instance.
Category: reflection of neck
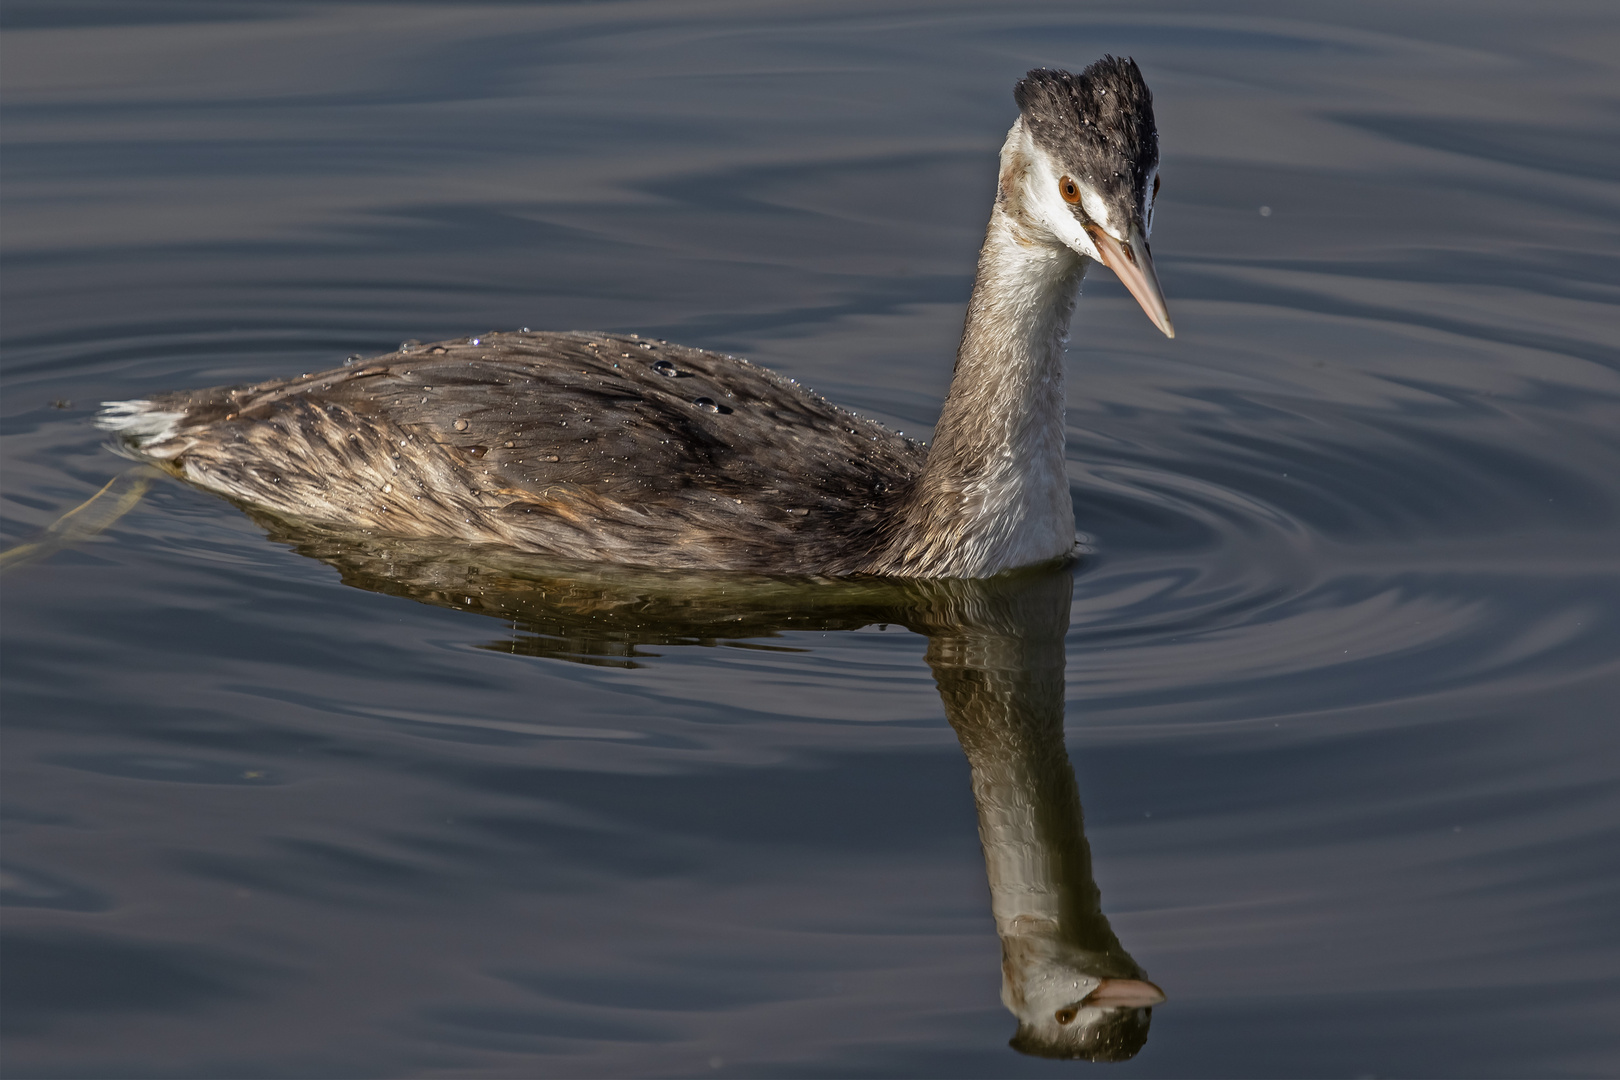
(1010, 723)
(1001, 679)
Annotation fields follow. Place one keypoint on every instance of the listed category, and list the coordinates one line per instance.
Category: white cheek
(1096, 210)
(1059, 218)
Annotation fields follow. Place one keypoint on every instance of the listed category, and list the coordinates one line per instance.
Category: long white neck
(995, 494)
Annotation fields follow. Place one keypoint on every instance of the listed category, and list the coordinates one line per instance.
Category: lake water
(1335, 682)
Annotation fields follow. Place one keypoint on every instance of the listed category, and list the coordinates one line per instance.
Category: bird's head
(1081, 168)
(1067, 1007)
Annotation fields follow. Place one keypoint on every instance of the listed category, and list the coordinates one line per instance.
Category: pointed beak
(1125, 993)
(1131, 260)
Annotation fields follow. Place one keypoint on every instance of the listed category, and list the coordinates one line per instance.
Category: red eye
(1156, 179)
(1064, 1016)
(1069, 190)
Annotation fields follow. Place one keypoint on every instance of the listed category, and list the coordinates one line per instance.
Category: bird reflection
(996, 648)
(999, 664)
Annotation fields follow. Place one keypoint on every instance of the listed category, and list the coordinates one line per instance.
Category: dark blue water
(1339, 679)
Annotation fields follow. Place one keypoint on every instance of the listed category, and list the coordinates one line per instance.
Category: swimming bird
(616, 447)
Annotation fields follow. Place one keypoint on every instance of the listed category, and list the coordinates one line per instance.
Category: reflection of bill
(1075, 990)
(996, 648)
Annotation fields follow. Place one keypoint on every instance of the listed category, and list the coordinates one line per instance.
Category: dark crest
(1116, 1036)
(1098, 125)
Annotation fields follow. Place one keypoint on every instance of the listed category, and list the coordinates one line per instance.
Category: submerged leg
(96, 514)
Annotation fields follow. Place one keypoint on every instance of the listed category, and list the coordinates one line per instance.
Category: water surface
(1338, 679)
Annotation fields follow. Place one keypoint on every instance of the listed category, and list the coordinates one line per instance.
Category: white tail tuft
(138, 422)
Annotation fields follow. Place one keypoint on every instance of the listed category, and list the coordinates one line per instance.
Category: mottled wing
(584, 445)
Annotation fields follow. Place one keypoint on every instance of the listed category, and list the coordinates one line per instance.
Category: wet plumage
(581, 445)
(618, 448)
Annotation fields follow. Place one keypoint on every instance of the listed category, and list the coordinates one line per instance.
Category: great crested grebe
(618, 448)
